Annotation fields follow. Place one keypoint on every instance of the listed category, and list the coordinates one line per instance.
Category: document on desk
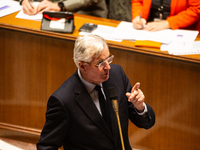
(183, 43)
(103, 31)
(185, 49)
(125, 31)
(7, 146)
(185, 35)
(8, 7)
(37, 17)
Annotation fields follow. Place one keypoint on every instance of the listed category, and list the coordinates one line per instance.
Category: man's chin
(106, 77)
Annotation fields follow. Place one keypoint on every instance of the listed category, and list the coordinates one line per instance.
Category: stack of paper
(180, 48)
(177, 42)
(104, 32)
(125, 31)
(183, 43)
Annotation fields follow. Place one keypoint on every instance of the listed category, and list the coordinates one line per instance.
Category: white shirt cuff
(145, 110)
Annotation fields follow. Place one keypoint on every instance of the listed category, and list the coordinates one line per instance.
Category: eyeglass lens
(109, 60)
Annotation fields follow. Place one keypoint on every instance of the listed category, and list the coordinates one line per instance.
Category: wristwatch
(20, 2)
(62, 6)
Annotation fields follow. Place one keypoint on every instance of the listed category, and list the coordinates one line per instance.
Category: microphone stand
(116, 109)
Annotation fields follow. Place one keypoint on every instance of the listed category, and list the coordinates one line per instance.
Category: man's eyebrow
(101, 60)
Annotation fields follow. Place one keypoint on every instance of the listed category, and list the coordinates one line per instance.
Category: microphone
(113, 97)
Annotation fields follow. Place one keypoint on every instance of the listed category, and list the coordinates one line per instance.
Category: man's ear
(82, 66)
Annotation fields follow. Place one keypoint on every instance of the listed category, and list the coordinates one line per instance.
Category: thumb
(128, 94)
(143, 21)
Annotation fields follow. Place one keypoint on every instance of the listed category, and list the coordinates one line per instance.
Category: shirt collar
(89, 86)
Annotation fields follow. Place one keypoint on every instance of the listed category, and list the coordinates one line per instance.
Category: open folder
(145, 43)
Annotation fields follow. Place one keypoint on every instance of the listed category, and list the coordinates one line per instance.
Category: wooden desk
(35, 63)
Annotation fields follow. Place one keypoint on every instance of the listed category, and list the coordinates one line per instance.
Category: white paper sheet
(6, 146)
(185, 48)
(8, 7)
(103, 31)
(22, 15)
(185, 35)
(183, 43)
(126, 31)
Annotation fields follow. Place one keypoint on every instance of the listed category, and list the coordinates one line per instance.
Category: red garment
(184, 14)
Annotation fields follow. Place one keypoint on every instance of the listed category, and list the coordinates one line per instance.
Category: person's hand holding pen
(28, 7)
(139, 22)
(44, 5)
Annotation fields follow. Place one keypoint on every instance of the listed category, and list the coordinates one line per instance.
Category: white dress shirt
(94, 94)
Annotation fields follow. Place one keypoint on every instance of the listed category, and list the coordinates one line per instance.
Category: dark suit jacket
(72, 119)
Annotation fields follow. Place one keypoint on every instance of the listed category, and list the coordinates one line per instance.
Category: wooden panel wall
(171, 87)
(34, 66)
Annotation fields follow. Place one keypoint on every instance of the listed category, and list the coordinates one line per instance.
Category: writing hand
(28, 8)
(138, 23)
(136, 97)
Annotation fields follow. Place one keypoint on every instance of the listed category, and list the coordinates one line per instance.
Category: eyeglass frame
(110, 56)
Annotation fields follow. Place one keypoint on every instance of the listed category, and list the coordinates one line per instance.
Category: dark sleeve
(56, 126)
(145, 121)
(142, 121)
(74, 5)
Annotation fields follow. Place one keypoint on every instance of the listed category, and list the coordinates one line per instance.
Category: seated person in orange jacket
(164, 14)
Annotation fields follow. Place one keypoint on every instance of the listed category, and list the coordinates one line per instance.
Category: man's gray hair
(87, 47)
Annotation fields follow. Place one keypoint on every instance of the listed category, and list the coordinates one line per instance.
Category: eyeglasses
(103, 63)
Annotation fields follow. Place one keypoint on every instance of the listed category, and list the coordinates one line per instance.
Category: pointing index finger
(136, 87)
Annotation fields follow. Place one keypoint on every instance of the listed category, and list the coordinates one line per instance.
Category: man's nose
(107, 66)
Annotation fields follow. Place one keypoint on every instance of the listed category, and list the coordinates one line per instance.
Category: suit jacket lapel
(86, 103)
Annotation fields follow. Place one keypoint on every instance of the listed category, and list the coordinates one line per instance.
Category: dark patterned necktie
(103, 106)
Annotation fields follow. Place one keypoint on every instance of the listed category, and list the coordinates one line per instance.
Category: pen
(30, 2)
(141, 19)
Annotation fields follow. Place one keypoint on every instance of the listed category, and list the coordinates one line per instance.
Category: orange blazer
(184, 14)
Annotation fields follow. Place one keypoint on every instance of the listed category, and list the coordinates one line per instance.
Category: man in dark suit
(75, 117)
